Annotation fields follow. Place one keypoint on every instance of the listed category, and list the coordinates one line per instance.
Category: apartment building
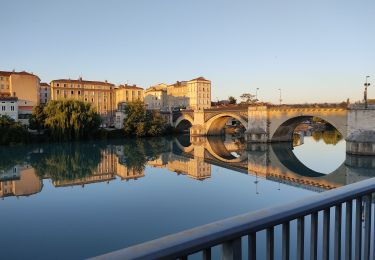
(99, 93)
(156, 97)
(23, 85)
(194, 94)
(128, 93)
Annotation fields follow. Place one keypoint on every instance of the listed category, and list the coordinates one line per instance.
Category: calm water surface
(77, 200)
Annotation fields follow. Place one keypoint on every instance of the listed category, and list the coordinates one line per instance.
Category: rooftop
(126, 86)
(44, 84)
(8, 73)
(81, 81)
(7, 98)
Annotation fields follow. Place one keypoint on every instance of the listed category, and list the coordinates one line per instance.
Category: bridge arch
(282, 128)
(216, 124)
(184, 122)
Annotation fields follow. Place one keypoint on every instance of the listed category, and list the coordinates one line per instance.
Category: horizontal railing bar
(209, 235)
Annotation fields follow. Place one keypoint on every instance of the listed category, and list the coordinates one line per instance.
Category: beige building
(127, 93)
(21, 181)
(23, 85)
(194, 94)
(156, 97)
(100, 94)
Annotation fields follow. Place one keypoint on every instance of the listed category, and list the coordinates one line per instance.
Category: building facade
(9, 107)
(194, 94)
(98, 93)
(127, 93)
(23, 85)
(44, 93)
(156, 97)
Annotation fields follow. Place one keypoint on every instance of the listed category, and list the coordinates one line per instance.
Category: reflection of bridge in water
(276, 162)
(191, 156)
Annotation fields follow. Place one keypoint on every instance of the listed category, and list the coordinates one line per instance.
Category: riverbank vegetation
(142, 122)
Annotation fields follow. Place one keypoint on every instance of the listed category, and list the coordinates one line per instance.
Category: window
(45, 95)
(2, 108)
(72, 92)
(12, 108)
(79, 92)
(57, 84)
(2, 86)
(58, 92)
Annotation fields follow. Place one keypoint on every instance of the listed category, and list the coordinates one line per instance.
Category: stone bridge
(262, 124)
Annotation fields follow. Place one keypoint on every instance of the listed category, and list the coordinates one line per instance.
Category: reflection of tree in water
(331, 136)
(139, 151)
(67, 161)
(11, 156)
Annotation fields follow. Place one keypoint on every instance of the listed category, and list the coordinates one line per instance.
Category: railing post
(338, 219)
(358, 229)
(270, 244)
(314, 236)
(252, 246)
(301, 238)
(286, 241)
(348, 230)
(367, 230)
(231, 250)
(206, 254)
(326, 226)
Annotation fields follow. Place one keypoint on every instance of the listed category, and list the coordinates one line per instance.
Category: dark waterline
(72, 201)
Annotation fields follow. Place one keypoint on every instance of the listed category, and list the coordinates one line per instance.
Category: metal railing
(353, 200)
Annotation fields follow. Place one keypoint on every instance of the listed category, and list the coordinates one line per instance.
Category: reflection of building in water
(195, 168)
(105, 172)
(19, 181)
(124, 172)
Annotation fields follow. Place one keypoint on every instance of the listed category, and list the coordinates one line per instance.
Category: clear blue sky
(313, 50)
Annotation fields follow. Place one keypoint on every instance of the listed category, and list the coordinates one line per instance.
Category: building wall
(156, 99)
(25, 87)
(99, 94)
(194, 94)
(199, 93)
(128, 94)
(9, 107)
(44, 93)
(4, 84)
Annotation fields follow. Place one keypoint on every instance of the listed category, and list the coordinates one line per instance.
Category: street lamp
(365, 93)
(280, 100)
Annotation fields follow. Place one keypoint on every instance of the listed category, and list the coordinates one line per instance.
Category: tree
(142, 122)
(11, 131)
(70, 119)
(38, 118)
(248, 98)
(232, 100)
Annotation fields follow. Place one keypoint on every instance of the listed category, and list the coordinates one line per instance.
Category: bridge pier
(361, 130)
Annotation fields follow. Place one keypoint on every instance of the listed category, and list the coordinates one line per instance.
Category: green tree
(70, 119)
(11, 131)
(232, 100)
(142, 122)
(38, 118)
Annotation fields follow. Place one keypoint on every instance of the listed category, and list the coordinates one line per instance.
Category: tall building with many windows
(126, 93)
(99, 93)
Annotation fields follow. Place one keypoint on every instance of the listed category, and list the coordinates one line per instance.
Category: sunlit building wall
(98, 93)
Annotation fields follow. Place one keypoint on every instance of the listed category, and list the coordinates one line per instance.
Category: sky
(314, 51)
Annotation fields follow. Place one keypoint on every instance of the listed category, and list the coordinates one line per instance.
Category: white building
(9, 107)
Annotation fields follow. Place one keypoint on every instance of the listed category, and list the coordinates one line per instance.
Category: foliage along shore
(72, 120)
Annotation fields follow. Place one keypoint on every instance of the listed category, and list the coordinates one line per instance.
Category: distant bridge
(263, 124)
